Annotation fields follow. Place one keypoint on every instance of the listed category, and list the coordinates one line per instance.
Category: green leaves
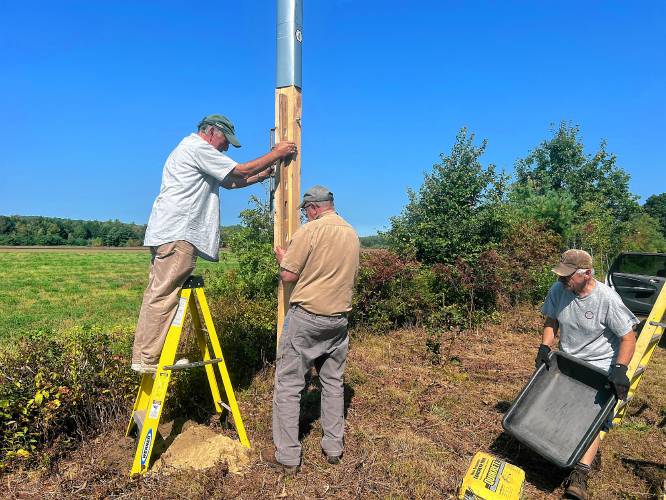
(655, 206)
(585, 198)
(60, 386)
(456, 212)
(561, 164)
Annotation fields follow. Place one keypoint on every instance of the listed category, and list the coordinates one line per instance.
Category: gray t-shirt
(188, 206)
(590, 327)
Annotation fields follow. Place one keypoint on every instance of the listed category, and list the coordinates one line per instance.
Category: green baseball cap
(223, 124)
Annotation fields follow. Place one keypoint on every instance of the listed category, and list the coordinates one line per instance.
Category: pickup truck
(638, 277)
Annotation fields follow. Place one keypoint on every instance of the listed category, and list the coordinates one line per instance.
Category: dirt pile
(199, 447)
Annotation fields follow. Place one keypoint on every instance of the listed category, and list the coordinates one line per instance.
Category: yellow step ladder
(153, 389)
(645, 345)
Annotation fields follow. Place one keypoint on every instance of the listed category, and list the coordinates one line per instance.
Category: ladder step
(658, 323)
(186, 366)
(623, 406)
(639, 371)
(139, 417)
(655, 338)
(224, 405)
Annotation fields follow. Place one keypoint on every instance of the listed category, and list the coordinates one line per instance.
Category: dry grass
(412, 428)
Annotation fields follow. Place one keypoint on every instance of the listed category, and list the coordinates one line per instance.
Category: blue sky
(95, 94)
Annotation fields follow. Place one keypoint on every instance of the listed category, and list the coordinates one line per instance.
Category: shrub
(246, 325)
(54, 390)
(390, 291)
(457, 211)
(527, 254)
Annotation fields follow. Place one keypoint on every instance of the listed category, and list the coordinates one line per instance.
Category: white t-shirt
(188, 206)
(591, 326)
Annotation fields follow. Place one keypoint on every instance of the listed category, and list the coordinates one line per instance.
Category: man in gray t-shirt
(594, 326)
(591, 326)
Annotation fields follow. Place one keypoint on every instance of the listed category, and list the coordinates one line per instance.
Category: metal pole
(289, 43)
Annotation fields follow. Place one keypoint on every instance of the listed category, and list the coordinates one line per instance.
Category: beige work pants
(171, 264)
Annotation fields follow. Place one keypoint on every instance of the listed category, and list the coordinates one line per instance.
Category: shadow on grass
(502, 406)
(651, 472)
(538, 471)
(311, 402)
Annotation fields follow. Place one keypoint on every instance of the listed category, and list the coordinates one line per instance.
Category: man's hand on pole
(265, 174)
(285, 148)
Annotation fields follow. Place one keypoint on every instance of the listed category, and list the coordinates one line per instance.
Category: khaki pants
(308, 338)
(171, 264)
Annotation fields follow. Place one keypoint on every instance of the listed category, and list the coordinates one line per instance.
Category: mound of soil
(199, 447)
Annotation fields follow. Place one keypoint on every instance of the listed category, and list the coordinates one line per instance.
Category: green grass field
(54, 290)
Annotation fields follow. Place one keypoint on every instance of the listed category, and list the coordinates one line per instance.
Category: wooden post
(287, 128)
(287, 183)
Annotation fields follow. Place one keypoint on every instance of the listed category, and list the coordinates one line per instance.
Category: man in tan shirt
(322, 259)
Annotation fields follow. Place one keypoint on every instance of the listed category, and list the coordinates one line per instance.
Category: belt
(336, 315)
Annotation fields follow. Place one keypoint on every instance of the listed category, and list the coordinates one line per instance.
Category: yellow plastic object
(489, 478)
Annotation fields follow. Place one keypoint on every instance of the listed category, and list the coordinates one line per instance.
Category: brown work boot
(576, 484)
(267, 456)
(332, 459)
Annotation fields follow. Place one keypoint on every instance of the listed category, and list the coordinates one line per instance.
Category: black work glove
(542, 356)
(619, 380)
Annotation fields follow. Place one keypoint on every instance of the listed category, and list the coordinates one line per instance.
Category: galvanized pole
(288, 128)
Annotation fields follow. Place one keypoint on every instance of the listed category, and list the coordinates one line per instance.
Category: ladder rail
(647, 341)
(222, 368)
(205, 353)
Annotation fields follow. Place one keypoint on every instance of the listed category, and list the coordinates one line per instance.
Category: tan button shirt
(324, 253)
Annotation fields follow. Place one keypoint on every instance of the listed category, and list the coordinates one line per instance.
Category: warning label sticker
(154, 409)
(178, 318)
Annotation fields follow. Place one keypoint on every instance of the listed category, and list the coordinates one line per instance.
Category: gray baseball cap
(316, 193)
(224, 124)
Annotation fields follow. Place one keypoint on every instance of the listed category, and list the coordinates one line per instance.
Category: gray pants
(305, 338)
(171, 264)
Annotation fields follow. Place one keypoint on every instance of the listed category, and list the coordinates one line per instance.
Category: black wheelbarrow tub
(561, 409)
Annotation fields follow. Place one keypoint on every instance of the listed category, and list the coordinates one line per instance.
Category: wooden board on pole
(287, 182)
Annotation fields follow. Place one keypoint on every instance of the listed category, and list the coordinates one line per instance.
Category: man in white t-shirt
(185, 223)
(594, 326)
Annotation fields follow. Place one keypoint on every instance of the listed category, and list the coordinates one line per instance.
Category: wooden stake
(287, 183)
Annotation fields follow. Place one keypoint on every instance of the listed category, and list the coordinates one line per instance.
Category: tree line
(51, 231)
(464, 208)
(21, 230)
